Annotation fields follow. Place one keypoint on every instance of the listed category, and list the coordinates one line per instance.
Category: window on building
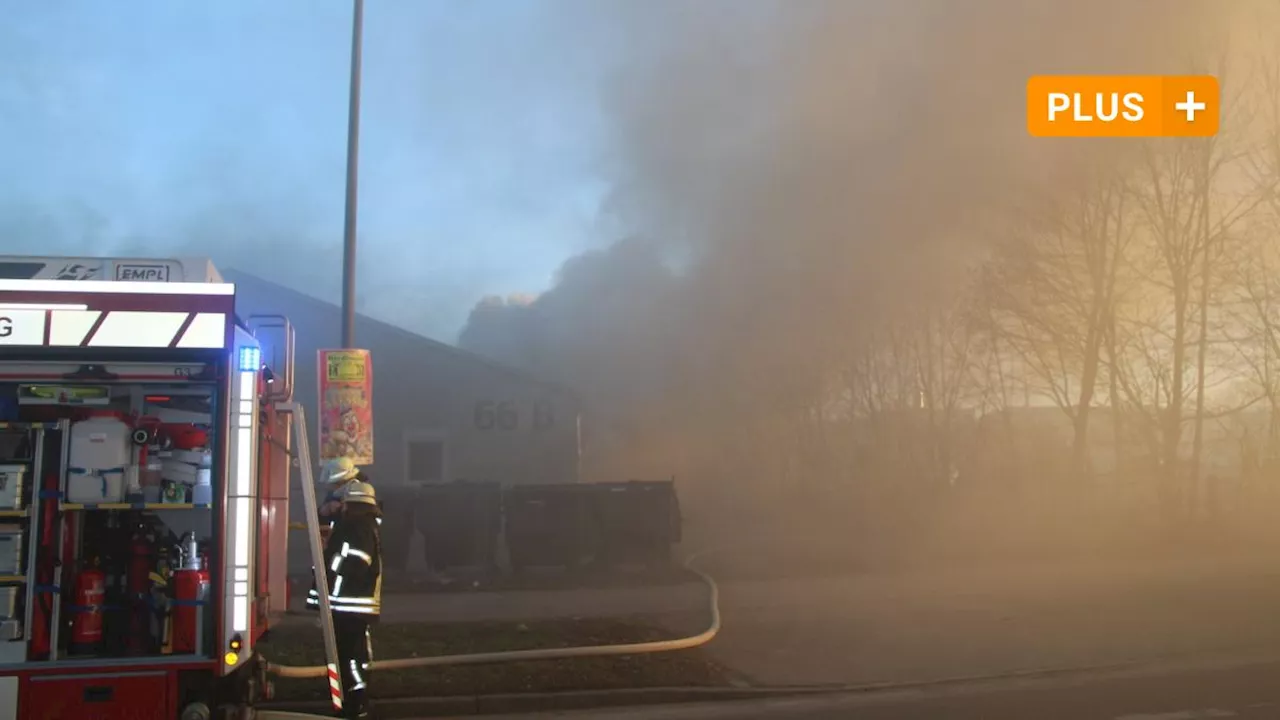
(426, 460)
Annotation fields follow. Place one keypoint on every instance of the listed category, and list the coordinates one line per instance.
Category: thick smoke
(795, 175)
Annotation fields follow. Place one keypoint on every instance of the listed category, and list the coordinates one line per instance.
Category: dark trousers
(355, 653)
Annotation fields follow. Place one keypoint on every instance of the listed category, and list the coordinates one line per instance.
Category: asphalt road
(857, 630)
(1238, 692)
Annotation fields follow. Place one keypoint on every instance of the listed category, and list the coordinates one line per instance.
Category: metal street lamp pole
(353, 164)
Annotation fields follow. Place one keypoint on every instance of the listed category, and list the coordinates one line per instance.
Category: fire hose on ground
(656, 646)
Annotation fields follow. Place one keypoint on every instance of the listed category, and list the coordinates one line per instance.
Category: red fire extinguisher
(190, 586)
(141, 560)
(86, 626)
(42, 613)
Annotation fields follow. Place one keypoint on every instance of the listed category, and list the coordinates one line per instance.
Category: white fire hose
(657, 646)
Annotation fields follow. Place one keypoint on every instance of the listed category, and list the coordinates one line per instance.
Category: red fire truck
(145, 434)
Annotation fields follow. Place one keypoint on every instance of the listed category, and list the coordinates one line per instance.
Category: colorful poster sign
(346, 405)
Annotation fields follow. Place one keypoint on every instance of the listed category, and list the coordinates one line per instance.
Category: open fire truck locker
(144, 481)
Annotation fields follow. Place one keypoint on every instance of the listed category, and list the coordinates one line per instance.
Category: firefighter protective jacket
(353, 564)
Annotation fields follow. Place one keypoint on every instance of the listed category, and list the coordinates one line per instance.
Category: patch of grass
(301, 644)
(542, 579)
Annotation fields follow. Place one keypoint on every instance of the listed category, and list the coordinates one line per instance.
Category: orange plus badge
(1123, 106)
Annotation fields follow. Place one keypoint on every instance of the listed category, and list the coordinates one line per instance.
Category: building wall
(425, 390)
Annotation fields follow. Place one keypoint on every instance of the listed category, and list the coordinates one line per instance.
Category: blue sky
(160, 127)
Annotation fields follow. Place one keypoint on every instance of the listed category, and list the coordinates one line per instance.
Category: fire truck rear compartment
(123, 542)
(145, 432)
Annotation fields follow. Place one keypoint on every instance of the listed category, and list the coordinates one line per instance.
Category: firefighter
(353, 559)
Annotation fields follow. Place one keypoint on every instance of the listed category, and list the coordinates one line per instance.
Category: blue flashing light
(250, 359)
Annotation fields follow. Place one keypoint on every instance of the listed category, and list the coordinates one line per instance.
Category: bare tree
(1188, 216)
(1055, 297)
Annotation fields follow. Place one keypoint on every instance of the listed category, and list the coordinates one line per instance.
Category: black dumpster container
(639, 521)
(550, 526)
(459, 522)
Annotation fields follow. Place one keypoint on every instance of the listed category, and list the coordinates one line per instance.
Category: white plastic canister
(100, 451)
(10, 551)
(202, 492)
(11, 486)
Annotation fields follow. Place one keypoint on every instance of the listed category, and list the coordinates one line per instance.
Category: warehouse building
(440, 413)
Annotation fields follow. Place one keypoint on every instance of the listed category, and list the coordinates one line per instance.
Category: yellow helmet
(337, 471)
(359, 492)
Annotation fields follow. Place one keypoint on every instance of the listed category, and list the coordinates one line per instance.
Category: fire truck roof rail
(183, 305)
(119, 269)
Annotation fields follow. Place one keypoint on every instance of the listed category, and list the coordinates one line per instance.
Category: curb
(523, 703)
(520, 703)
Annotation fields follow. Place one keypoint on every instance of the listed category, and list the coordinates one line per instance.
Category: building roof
(284, 297)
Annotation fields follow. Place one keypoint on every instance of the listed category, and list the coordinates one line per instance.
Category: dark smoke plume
(795, 175)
